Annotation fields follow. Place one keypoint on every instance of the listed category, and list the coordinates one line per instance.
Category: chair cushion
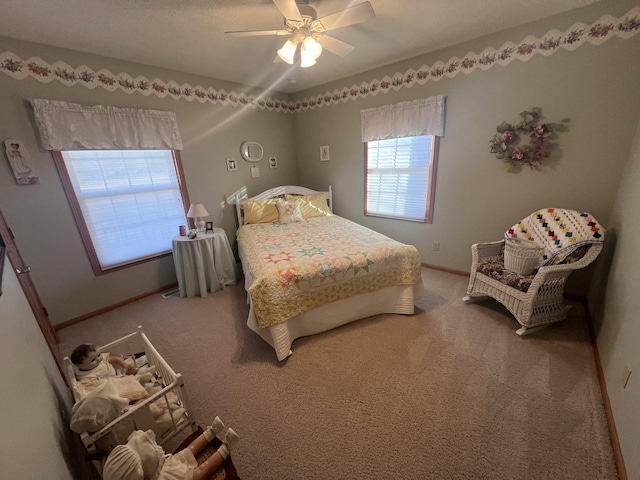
(559, 231)
(497, 271)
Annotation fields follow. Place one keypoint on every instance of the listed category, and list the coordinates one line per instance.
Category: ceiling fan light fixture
(311, 47)
(288, 51)
(306, 60)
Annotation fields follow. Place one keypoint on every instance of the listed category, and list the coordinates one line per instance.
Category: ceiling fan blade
(336, 46)
(256, 33)
(349, 16)
(289, 9)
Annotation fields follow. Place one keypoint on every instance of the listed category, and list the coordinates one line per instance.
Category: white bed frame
(395, 299)
(139, 413)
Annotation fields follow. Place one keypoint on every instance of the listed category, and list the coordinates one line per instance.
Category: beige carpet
(448, 393)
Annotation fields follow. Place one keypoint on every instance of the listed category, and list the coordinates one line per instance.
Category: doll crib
(138, 415)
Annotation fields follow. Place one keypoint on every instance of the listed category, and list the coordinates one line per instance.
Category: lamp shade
(197, 210)
(309, 52)
(306, 60)
(288, 51)
(311, 47)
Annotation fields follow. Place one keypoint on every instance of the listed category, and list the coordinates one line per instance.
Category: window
(127, 203)
(400, 177)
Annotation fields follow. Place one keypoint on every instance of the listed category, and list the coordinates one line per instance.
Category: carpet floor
(450, 392)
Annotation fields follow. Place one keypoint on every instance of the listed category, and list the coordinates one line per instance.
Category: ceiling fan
(307, 31)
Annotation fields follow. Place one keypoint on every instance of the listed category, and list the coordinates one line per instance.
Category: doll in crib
(88, 361)
(94, 370)
(141, 458)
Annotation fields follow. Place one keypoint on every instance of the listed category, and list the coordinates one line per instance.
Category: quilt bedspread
(299, 266)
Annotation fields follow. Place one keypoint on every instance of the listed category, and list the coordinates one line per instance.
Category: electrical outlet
(627, 375)
(436, 246)
(255, 172)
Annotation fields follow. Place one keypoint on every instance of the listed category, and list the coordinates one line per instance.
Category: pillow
(290, 211)
(312, 205)
(260, 211)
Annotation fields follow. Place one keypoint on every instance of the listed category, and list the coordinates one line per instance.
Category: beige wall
(616, 310)
(36, 440)
(40, 216)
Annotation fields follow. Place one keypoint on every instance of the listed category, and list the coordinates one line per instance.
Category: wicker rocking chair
(570, 240)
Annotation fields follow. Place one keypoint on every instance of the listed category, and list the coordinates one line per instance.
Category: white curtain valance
(424, 116)
(69, 126)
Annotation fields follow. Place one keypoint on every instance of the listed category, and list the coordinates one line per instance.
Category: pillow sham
(260, 211)
(312, 205)
(290, 211)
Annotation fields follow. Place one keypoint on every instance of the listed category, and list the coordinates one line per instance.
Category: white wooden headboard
(280, 192)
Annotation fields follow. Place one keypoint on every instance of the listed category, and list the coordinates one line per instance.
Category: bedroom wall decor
(19, 160)
(508, 144)
(603, 29)
(232, 165)
(251, 151)
(324, 153)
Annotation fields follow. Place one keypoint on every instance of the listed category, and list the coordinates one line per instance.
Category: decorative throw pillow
(312, 205)
(260, 211)
(290, 211)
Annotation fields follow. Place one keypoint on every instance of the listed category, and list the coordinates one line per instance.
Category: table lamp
(197, 211)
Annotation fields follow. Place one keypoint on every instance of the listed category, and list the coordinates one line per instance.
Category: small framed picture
(209, 227)
(273, 163)
(324, 153)
(232, 165)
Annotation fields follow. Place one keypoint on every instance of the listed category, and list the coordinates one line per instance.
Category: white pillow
(289, 211)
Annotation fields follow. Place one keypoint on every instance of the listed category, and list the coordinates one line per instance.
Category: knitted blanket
(559, 231)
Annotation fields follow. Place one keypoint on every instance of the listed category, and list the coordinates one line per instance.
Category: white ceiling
(188, 35)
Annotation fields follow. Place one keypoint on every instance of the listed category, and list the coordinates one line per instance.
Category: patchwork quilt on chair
(560, 231)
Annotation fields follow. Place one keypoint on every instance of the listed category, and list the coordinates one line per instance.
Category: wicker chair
(536, 300)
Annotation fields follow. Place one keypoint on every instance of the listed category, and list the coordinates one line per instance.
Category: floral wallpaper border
(597, 33)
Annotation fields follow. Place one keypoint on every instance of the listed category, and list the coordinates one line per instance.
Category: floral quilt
(299, 266)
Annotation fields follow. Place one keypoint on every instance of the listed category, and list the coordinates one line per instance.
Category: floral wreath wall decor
(508, 145)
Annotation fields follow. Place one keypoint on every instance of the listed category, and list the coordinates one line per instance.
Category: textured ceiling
(188, 35)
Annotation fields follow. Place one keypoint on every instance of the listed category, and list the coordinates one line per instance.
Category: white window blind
(130, 200)
(398, 177)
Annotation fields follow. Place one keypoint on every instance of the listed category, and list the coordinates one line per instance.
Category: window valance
(424, 116)
(69, 126)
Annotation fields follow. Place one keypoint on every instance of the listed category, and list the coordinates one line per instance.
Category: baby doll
(142, 458)
(88, 360)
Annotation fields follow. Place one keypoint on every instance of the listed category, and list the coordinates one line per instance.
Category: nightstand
(204, 264)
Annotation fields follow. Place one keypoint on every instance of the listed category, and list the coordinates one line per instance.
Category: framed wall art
(20, 162)
(324, 153)
(232, 165)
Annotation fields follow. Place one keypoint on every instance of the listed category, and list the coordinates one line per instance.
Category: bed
(308, 270)
(156, 399)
